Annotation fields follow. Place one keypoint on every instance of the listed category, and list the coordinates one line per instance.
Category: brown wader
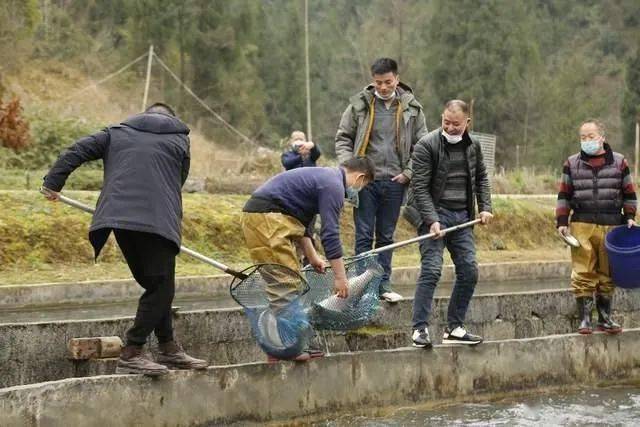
(591, 275)
(271, 239)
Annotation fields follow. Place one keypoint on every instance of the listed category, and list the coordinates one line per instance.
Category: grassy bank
(43, 242)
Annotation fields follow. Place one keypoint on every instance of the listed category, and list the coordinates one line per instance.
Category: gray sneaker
(134, 361)
(173, 356)
(459, 335)
(420, 338)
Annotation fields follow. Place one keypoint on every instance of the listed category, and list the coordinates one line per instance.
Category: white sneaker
(391, 297)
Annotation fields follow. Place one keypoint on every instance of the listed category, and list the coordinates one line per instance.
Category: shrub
(14, 129)
(50, 133)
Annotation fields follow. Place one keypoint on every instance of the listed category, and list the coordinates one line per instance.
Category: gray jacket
(355, 122)
(146, 161)
(431, 164)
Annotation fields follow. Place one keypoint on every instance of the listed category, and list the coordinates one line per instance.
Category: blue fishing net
(282, 305)
(271, 298)
(282, 333)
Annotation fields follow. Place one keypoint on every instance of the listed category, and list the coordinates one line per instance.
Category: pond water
(618, 406)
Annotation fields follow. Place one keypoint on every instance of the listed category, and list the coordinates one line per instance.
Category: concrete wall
(349, 382)
(37, 352)
(14, 296)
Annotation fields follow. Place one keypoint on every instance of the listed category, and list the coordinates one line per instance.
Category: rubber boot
(605, 322)
(585, 307)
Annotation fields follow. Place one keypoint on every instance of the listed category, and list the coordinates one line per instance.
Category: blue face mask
(352, 194)
(591, 147)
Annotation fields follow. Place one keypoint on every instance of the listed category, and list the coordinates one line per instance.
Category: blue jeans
(377, 215)
(461, 246)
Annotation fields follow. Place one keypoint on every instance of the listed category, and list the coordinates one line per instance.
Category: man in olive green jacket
(383, 122)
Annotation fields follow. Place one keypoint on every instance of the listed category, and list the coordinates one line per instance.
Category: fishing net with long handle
(269, 293)
(282, 304)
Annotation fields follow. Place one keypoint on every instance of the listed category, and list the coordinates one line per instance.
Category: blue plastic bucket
(623, 248)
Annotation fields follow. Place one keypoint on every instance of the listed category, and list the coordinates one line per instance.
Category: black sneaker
(460, 335)
(420, 338)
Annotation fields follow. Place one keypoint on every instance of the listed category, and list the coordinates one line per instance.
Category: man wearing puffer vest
(596, 189)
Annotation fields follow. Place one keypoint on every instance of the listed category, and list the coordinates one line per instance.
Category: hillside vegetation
(534, 69)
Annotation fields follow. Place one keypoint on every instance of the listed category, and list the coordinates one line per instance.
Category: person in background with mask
(382, 122)
(300, 152)
(597, 190)
(277, 215)
(449, 176)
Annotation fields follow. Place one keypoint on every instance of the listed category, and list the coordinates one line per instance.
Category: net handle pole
(418, 239)
(183, 249)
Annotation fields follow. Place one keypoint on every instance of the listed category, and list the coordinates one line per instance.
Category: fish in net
(271, 297)
(327, 311)
(282, 305)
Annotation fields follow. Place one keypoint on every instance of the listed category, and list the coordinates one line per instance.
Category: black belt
(258, 204)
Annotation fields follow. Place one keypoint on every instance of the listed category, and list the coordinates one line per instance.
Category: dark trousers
(461, 246)
(152, 261)
(376, 216)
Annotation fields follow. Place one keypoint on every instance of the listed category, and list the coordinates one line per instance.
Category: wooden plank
(94, 348)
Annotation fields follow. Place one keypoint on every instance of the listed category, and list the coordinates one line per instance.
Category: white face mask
(388, 98)
(452, 139)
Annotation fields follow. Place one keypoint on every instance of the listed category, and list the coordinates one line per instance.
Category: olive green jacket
(354, 126)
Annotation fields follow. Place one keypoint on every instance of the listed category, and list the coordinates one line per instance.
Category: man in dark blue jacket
(301, 154)
(277, 216)
(146, 162)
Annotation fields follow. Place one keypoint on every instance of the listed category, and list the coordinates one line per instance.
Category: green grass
(19, 179)
(41, 241)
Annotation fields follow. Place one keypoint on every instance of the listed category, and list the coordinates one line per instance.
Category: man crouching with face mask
(449, 175)
(278, 215)
(597, 190)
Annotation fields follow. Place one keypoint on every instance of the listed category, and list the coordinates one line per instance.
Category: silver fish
(356, 287)
(268, 328)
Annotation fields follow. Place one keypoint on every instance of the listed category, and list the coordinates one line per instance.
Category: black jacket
(430, 168)
(146, 161)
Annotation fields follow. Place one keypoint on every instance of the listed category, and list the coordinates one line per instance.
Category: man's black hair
(384, 66)
(361, 164)
(160, 107)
